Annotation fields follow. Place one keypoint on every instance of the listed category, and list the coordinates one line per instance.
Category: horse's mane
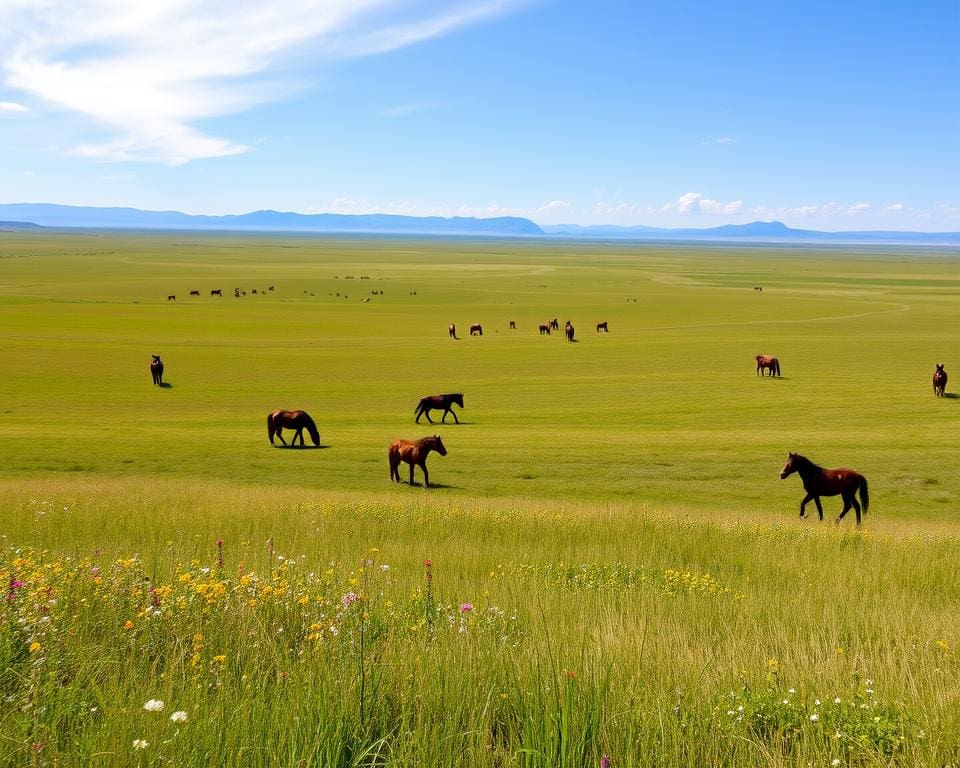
(806, 462)
(424, 440)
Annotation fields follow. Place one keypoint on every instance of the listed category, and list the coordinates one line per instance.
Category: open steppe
(615, 566)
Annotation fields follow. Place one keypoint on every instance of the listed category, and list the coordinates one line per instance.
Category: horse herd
(817, 481)
(477, 330)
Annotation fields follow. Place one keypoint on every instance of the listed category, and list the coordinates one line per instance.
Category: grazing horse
(939, 380)
(413, 452)
(765, 361)
(297, 420)
(171, 297)
(437, 402)
(476, 329)
(513, 325)
(568, 329)
(194, 293)
(545, 329)
(156, 370)
(603, 327)
(818, 482)
(555, 324)
(453, 331)
(217, 292)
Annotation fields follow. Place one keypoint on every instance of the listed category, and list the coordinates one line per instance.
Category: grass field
(615, 566)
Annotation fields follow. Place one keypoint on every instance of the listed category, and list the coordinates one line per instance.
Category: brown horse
(297, 420)
(545, 329)
(939, 380)
(436, 403)
(818, 482)
(513, 325)
(413, 452)
(765, 361)
(555, 324)
(568, 329)
(476, 329)
(602, 327)
(156, 370)
(452, 331)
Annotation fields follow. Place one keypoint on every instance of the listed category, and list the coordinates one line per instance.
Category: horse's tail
(864, 495)
(271, 427)
(777, 365)
(312, 429)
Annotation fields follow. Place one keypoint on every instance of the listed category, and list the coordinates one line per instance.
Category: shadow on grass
(302, 447)
(166, 385)
(951, 395)
(433, 486)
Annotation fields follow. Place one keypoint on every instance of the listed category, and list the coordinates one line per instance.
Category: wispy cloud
(694, 202)
(721, 140)
(12, 106)
(149, 73)
(405, 110)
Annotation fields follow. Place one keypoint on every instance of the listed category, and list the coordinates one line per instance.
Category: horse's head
(438, 445)
(940, 368)
(457, 398)
(790, 467)
(156, 358)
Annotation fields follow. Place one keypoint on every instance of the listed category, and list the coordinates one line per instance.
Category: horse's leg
(856, 505)
(445, 412)
(280, 435)
(816, 500)
(427, 414)
(454, 415)
(411, 473)
(846, 506)
(803, 504)
(426, 475)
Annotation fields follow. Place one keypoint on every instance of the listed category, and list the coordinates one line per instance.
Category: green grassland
(637, 581)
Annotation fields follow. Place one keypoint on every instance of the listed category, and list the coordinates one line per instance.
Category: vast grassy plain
(614, 565)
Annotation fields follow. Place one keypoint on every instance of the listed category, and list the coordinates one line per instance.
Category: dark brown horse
(568, 329)
(156, 370)
(436, 403)
(513, 325)
(297, 420)
(771, 363)
(545, 329)
(452, 331)
(555, 324)
(939, 380)
(602, 327)
(413, 452)
(476, 329)
(818, 482)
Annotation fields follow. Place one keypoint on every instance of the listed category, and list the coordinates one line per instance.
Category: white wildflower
(154, 705)
(140, 744)
(179, 716)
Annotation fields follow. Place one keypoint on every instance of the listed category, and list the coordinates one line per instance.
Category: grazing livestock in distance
(545, 329)
(217, 292)
(452, 330)
(436, 403)
(171, 297)
(156, 370)
(513, 325)
(758, 288)
(602, 327)
(939, 380)
(296, 420)
(476, 329)
(818, 482)
(555, 324)
(765, 361)
(568, 329)
(194, 293)
(413, 452)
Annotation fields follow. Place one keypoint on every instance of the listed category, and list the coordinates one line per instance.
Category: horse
(603, 327)
(171, 297)
(194, 293)
(217, 292)
(765, 361)
(156, 370)
(555, 324)
(452, 331)
(568, 329)
(939, 380)
(818, 482)
(545, 329)
(413, 452)
(298, 420)
(513, 325)
(435, 403)
(476, 329)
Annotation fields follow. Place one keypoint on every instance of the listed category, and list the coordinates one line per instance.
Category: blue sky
(667, 113)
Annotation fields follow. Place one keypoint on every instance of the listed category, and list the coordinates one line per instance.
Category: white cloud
(694, 202)
(149, 72)
(554, 205)
(895, 208)
(12, 106)
(721, 140)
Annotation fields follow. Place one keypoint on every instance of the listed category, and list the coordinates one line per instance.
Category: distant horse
(764, 361)
(758, 287)
(436, 403)
(545, 329)
(171, 297)
(513, 325)
(297, 420)
(413, 452)
(270, 288)
(217, 292)
(156, 370)
(194, 293)
(476, 329)
(602, 327)
(568, 329)
(555, 324)
(939, 380)
(818, 482)
(453, 331)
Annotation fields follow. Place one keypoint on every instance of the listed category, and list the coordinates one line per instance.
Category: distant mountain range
(27, 215)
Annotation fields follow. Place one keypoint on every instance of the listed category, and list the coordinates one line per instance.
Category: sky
(674, 113)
